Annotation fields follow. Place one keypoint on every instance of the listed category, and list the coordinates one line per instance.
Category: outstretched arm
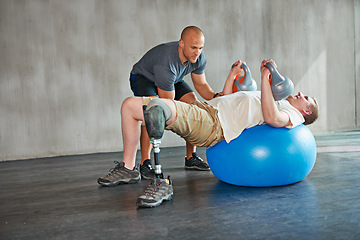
(201, 86)
(228, 86)
(271, 113)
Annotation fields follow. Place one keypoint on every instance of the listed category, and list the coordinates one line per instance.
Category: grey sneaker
(195, 162)
(158, 191)
(146, 170)
(120, 174)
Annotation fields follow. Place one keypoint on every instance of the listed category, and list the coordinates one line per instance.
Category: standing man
(160, 72)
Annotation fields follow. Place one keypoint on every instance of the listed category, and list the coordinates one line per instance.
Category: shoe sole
(140, 202)
(147, 178)
(197, 168)
(111, 184)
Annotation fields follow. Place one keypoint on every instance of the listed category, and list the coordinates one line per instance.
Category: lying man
(205, 123)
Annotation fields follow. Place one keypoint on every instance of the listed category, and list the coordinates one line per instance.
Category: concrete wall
(64, 65)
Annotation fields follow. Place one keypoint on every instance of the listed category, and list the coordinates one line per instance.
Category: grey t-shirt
(162, 66)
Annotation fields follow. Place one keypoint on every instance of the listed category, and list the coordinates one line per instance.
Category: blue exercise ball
(264, 156)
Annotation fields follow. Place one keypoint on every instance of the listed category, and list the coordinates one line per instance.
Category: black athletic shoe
(158, 191)
(195, 162)
(120, 174)
(146, 170)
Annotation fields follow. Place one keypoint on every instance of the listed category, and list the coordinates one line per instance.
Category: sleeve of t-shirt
(296, 118)
(164, 78)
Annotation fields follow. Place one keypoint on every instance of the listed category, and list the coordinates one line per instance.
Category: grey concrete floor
(59, 198)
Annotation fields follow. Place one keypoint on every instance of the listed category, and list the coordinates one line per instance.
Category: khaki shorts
(197, 123)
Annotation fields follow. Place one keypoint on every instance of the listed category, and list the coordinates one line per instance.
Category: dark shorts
(143, 87)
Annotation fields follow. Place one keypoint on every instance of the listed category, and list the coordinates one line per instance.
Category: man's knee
(166, 109)
(126, 105)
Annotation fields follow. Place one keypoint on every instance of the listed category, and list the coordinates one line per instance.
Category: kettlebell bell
(244, 83)
(281, 86)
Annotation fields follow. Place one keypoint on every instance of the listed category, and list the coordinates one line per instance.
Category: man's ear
(181, 43)
(306, 112)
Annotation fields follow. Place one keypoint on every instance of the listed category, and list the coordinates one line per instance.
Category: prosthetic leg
(160, 189)
(155, 126)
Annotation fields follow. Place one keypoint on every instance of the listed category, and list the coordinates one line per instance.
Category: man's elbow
(273, 121)
(270, 121)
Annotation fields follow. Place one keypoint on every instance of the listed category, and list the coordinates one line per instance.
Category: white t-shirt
(242, 110)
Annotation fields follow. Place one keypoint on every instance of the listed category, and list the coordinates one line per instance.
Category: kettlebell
(281, 86)
(244, 83)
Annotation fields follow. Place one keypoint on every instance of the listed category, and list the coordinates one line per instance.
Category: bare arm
(271, 113)
(166, 94)
(201, 86)
(228, 86)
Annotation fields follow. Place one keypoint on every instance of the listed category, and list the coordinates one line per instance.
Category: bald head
(191, 30)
